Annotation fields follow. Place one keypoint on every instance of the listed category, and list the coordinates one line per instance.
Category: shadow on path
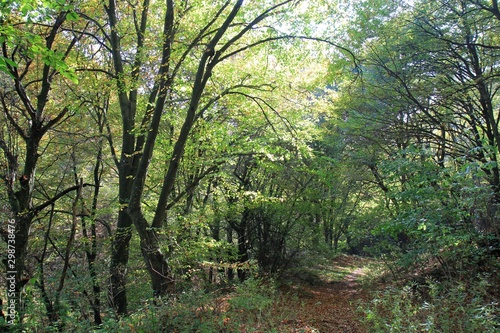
(330, 306)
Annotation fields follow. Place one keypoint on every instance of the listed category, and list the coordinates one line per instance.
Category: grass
(262, 305)
(417, 303)
(436, 307)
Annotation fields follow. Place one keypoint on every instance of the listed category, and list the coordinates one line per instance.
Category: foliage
(417, 119)
(246, 309)
(196, 142)
(434, 307)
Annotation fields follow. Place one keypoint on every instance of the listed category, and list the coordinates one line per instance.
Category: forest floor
(325, 299)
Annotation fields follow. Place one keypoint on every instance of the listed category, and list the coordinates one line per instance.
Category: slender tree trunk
(91, 248)
(229, 237)
(241, 231)
(49, 307)
(212, 273)
(242, 254)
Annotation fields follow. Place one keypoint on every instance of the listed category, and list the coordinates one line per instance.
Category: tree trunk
(119, 262)
(336, 243)
(162, 280)
(241, 231)
(23, 223)
(22, 206)
(230, 271)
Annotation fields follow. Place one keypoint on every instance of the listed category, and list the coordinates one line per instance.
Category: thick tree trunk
(121, 240)
(328, 232)
(336, 243)
(23, 223)
(119, 262)
(24, 212)
(162, 280)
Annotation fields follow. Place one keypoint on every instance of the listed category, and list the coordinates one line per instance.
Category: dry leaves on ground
(329, 307)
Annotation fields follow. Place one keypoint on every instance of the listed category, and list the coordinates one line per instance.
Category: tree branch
(58, 196)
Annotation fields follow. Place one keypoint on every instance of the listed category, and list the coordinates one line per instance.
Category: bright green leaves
(5, 63)
(26, 8)
(36, 47)
(56, 60)
(35, 11)
(419, 114)
(19, 31)
(7, 35)
(72, 16)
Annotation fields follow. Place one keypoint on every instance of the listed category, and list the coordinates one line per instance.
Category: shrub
(434, 307)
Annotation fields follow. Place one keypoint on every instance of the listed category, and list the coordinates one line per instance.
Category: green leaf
(72, 16)
(4, 65)
(9, 61)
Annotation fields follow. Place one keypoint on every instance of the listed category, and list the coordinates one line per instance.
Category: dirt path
(329, 306)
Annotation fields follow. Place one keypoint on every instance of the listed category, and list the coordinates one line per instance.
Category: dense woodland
(157, 152)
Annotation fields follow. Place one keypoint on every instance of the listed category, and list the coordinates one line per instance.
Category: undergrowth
(253, 306)
(434, 306)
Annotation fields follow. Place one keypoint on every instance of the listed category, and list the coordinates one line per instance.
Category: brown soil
(330, 306)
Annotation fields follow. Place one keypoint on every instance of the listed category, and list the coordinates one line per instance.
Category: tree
(33, 64)
(424, 103)
(187, 52)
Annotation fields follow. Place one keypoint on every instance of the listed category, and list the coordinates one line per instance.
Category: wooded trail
(329, 304)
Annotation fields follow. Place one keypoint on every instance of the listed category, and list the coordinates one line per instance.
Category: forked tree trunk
(143, 145)
(162, 280)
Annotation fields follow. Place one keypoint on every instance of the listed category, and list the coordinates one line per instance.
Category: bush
(246, 309)
(434, 307)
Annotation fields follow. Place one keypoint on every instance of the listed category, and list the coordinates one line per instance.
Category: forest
(199, 166)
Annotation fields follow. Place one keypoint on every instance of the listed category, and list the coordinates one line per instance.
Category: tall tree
(425, 102)
(192, 45)
(33, 61)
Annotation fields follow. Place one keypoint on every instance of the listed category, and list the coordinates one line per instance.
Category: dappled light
(250, 166)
